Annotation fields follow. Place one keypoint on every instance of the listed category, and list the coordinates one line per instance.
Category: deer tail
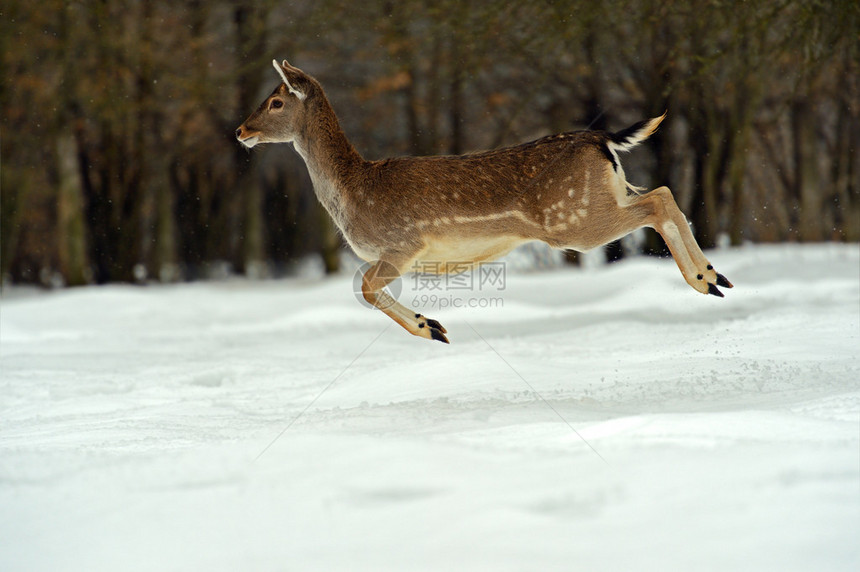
(626, 139)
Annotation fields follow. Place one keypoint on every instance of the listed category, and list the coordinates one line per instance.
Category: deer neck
(331, 159)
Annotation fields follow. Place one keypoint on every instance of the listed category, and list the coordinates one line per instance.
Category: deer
(567, 190)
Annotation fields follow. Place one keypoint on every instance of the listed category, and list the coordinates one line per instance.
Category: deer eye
(276, 104)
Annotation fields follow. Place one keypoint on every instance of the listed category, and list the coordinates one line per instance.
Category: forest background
(118, 160)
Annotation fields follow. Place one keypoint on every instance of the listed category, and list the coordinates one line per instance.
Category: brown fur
(567, 190)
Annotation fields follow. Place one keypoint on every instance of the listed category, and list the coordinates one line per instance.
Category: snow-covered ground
(598, 419)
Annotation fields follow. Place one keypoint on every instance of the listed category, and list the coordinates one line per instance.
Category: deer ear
(290, 67)
(301, 95)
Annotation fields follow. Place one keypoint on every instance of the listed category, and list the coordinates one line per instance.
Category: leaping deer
(567, 190)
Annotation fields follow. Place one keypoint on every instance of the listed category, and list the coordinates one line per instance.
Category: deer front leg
(669, 221)
(378, 277)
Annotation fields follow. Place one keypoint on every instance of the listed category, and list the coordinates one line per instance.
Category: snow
(600, 419)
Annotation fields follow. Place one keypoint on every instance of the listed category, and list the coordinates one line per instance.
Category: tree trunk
(846, 169)
(71, 229)
(12, 199)
(71, 226)
(806, 218)
(706, 142)
(249, 20)
(254, 228)
(737, 177)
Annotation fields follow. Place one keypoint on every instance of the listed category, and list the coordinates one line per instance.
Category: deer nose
(239, 133)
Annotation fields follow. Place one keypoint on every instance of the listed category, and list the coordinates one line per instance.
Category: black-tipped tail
(628, 138)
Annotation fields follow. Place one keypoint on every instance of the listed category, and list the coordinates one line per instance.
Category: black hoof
(723, 281)
(714, 291)
(438, 334)
(437, 325)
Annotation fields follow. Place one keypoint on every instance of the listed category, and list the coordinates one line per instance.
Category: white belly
(447, 254)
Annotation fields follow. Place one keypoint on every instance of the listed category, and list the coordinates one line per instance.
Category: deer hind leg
(378, 277)
(662, 213)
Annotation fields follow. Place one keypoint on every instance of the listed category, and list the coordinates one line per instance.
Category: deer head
(281, 115)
